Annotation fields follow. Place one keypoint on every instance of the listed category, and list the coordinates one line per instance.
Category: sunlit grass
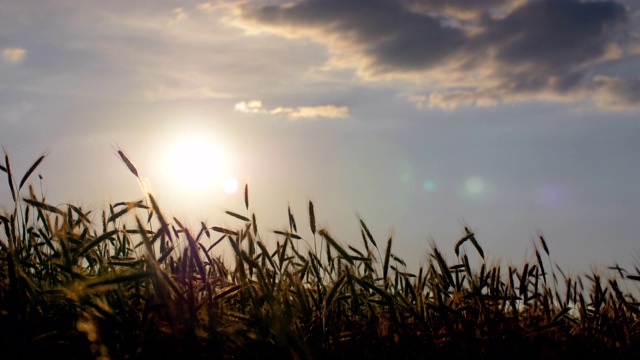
(129, 282)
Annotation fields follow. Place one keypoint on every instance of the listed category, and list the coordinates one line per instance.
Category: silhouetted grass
(132, 283)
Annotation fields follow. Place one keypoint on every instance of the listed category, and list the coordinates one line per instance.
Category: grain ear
(30, 171)
(128, 163)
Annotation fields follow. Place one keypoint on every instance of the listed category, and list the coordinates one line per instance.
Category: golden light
(197, 163)
(230, 185)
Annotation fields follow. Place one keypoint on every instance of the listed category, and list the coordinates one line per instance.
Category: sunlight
(230, 185)
(197, 163)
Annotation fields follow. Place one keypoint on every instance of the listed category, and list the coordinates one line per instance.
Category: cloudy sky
(422, 116)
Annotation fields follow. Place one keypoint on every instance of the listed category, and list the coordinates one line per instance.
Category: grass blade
(335, 245)
(7, 169)
(95, 242)
(120, 278)
(387, 257)
(223, 230)
(129, 164)
(312, 218)
(43, 206)
(30, 171)
(366, 231)
(238, 216)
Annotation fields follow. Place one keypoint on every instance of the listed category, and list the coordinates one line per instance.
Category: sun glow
(197, 164)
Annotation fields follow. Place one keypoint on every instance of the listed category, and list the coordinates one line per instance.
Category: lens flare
(553, 195)
(474, 187)
(429, 186)
(406, 177)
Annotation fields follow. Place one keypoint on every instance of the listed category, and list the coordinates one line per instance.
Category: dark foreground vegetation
(132, 283)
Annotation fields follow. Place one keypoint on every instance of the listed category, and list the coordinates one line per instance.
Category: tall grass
(129, 282)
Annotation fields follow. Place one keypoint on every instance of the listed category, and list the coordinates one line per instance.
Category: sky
(511, 117)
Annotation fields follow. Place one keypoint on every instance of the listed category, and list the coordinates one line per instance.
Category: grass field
(130, 282)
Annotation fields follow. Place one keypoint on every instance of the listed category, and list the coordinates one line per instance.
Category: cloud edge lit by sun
(470, 58)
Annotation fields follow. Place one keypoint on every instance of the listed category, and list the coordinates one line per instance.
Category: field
(131, 283)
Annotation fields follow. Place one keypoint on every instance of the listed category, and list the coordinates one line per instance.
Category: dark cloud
(555, 34)
(462, 9)
(617, 94)
(490, 51)
(389, 35)
(547, 49)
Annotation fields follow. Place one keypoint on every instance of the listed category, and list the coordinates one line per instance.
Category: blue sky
(421, 116)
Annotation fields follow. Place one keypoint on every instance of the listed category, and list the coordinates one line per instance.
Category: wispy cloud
(164, 92)
(179, 14)
(486, 53)
(208, 6)
(325, 111)
(14, 55)
(250, 107)
(302, 112)
(463, 10)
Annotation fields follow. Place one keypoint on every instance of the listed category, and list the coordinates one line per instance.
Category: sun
(197, 163)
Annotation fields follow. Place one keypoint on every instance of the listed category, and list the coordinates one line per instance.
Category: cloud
(326, 111)
(302, 112)
(381, 35)
(553, 37)
(452, 99)
(14, 55)
(179, 14)
(463, 9)
(466, 53)
(249, 107)
(206, 6)
(164, 92)
(617, 94)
